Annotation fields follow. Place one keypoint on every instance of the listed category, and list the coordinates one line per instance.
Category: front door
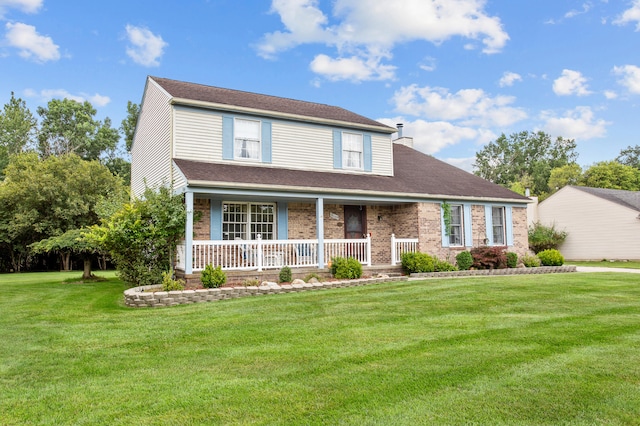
(355, 221)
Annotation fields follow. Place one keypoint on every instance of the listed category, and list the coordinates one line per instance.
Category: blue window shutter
(283, 221)
(266, 142)
(445, 237)
(468, 231)
(337, 149)
(368, 162)
(216, 220)
(508, 223)
(227, 137)
(489, 228)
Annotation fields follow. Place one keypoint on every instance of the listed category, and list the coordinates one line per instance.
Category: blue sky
(457, 73)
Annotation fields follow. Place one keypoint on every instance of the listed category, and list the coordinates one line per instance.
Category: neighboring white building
(601, 223)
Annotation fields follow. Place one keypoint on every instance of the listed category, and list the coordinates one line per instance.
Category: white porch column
(320, 230)
(188, 237)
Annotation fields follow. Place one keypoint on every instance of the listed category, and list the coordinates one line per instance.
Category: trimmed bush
(212, 277)
(530, 261)
(169, 283)
(415, 262)
(512, 259)
(348, 268)
(311, 275)
(545, 237)
(443, 266)
(285, 275)
(551, 257)
(489, 257)
(464, 260)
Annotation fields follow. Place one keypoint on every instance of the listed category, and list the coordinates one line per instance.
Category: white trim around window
(244, 221)
(247, 143)
(352, 151)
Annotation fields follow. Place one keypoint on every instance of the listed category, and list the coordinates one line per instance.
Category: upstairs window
(498, 225)
(247, 139)
(352, 151)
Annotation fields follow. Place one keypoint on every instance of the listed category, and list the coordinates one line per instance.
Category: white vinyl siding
(301, 146)
(151, 150)
(596, 228)
(198, 134)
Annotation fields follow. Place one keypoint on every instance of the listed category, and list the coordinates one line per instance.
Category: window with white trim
(352, 148)
(498, 225)
(244, 221)
(456, 228)
(246, 134)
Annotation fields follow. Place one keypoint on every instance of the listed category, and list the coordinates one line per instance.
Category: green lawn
(632, 264)
(539, 349)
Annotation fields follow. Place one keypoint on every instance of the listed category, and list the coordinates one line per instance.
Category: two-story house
(280, 182)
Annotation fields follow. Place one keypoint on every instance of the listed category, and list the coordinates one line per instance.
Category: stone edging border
(140, 297)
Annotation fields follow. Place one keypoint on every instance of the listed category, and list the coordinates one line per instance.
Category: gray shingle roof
(265, 103)
(416, 175)
(630, 199)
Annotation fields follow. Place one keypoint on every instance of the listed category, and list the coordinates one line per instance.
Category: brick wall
(201, 228)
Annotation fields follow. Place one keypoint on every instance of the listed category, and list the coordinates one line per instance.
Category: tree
(69, 127)
(511, 159)
(142, 236)
(612, 175)
(128, 125)
(71, 242)
(630, 156)
(17, 126)
(569, 174)
(40, 199)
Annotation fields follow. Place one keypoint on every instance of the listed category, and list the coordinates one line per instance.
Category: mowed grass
(539, 349)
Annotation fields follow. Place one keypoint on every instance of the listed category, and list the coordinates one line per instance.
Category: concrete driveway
(602, 269)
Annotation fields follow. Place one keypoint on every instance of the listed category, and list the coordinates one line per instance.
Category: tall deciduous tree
(524, 155)
(612, 175)
(40, 199)
(128, 125)
(17, 127)
(69, 127)
(569, 174)
(630, 156)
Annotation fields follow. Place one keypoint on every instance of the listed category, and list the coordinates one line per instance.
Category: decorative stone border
(145, 296)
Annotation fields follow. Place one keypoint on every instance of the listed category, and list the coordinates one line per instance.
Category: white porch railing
(262, 254)
(402, 245)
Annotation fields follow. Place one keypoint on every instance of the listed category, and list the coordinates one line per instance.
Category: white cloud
(575, 12)
(353, 68)
(610, 94)
(31, 45)
(46, 95)
(508, 78)
(369, 29)
(146, 48)
(630, 77)
(571, 83)
(578, 123)
(27, 6)
(428, 64)
(465, 163)
(468, 106)
(630, 15)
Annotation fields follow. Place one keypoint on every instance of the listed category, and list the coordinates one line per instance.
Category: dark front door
(355, 221)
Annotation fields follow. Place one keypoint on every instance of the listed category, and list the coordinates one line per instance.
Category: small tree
(543, 237)
(71, 242)
(142, 236)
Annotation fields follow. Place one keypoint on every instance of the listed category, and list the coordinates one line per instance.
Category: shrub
(213, 277)
(489, 257)
(285, 275)
(308, 277)
(443, 266)
(464, 260)
(251, 282)
(348, 268)
(169, 283)
(530, 261)
(545, 237)
(512, 259)
(551, 257)
(415, 262)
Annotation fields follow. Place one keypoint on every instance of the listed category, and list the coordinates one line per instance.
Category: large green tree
(43, 198)
(17, 127)
(128, 125)
(569, 174)
(612, 175)
(524, 156)
(70, 127)
(630, 156)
